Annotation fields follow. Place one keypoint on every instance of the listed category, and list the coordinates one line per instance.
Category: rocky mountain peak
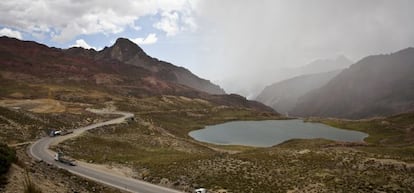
(126, 45)
(125, 50)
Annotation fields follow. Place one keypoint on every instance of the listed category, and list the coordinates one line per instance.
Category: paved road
(40, 150)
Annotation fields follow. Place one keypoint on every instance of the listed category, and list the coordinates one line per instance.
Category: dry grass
(29, 186)
(35, 105)
(297, 165)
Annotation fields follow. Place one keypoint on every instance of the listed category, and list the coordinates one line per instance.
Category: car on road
(200, 190)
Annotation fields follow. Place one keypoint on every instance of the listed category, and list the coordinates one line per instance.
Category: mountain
(110, 59)
(122, 69)
(325, 65)
(284, 95)
(317, 66)
(128, 52)
(375, 86)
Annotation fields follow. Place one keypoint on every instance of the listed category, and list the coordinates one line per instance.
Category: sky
(241, 45)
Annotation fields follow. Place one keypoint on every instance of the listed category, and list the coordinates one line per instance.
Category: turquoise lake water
(271, 132)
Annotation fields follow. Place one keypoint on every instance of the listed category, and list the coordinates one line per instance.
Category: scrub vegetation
(7, 157)
(157, 147)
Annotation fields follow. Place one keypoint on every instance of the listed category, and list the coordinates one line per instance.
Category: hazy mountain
(123, 69)
(283, 96)
(325, 65)
(317, 66)
(375, 86)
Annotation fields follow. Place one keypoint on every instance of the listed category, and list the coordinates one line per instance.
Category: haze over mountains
(377, 85)
(295, 82)
(317, 66)
(253, 89)
(283, 96)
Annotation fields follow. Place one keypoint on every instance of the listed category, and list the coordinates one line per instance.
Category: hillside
(383, 164)
(283, 96)
(122, 61)
(43, 88)
(375, 86)
(28, 70)
(128, 52)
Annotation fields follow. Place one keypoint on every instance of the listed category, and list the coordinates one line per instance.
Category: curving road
(40, 150)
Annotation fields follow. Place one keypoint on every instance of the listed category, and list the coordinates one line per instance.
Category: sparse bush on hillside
(29, 186)
(7, 157)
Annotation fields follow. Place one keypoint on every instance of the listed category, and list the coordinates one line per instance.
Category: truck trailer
(62, 159)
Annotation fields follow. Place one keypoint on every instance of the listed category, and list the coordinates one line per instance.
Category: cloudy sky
(241, 45)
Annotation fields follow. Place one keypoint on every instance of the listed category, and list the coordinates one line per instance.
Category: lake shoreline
(267, 133)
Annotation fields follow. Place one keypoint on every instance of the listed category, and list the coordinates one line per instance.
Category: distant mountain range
(378, 85)
(325, 65)
(375, 86)
(317, 66)
(284, 95)
(124, 68)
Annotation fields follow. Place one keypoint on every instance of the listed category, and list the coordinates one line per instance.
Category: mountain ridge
(283, 96)
(377, 85)
(326, 65)
(313, 67)
(128, 52)
(34, 63)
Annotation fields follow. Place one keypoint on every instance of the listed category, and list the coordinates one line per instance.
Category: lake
(271, 132)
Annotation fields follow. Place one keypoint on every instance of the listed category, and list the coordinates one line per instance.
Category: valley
(162, 155)
(54, 89)
(206, 96)
(295, 166)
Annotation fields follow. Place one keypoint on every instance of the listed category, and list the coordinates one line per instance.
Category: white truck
(62, 159)
(200, 190)
(54, 133)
